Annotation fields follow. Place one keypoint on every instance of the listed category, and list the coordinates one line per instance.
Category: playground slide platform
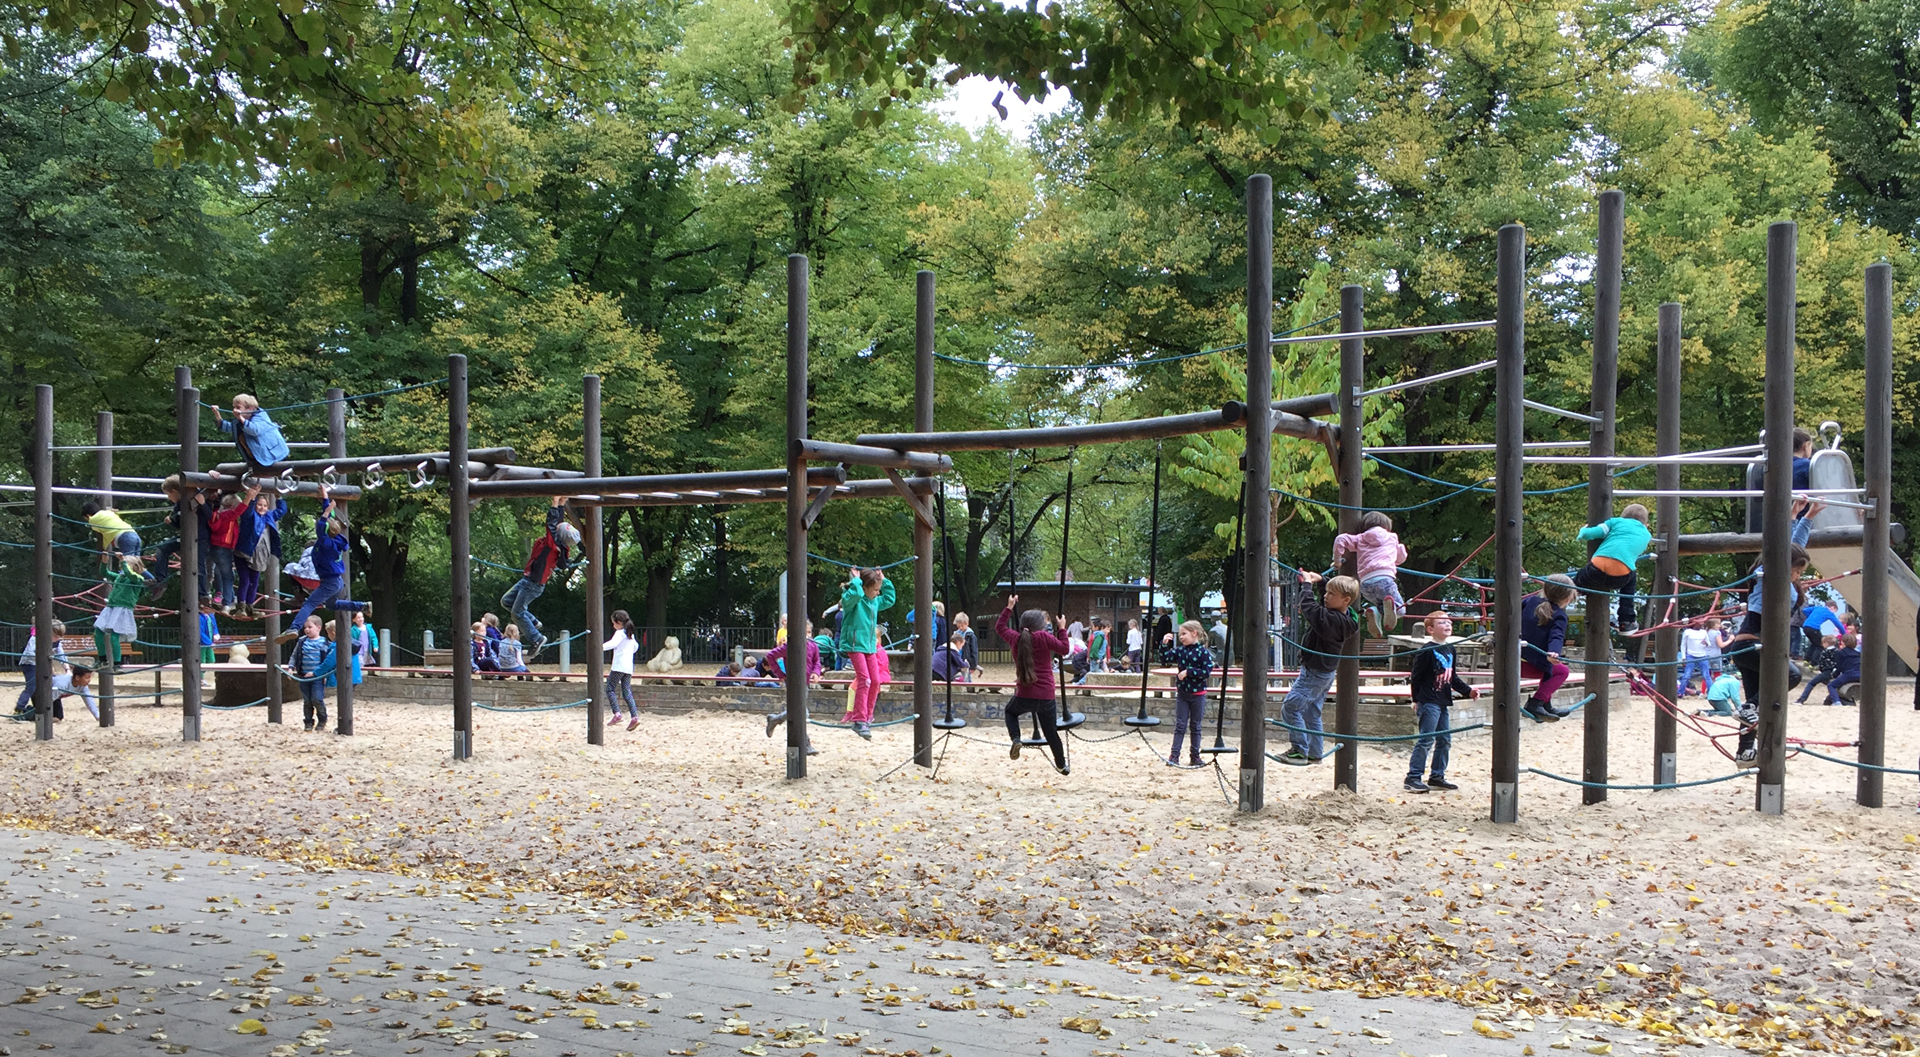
(1832, 468)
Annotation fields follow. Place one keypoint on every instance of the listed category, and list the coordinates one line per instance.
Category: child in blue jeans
(1194, 663)
(312, 660)
(1435, 683)
(1326, 628)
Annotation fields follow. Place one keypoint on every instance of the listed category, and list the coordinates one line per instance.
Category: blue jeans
(516, 601)
(331, 588)
(32, 672)
(1301, 708)
(222, 575)
(1434, 717)
(1695, 664)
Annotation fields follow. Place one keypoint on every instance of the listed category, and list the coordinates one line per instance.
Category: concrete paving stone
(339, 963)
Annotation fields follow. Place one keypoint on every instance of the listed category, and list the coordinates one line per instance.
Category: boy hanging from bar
(549, 554)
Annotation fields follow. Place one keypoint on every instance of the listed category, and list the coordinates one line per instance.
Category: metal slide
(1832, 468)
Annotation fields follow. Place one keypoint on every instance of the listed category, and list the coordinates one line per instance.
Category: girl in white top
(1698, 645)
(620, 673)
(1136, 643)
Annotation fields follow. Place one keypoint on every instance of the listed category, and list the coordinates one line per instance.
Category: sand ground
(1682, 912)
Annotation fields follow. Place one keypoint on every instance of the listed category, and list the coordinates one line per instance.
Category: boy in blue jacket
(312, 660)
(329, 543)
(254, 433)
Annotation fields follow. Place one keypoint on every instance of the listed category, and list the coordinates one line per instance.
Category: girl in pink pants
(867, 593)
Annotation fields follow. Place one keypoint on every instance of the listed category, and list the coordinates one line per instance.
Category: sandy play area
(1683, 912)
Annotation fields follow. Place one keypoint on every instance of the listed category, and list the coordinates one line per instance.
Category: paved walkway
(107, 948)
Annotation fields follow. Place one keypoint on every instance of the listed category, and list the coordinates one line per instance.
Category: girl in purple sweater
(1034, 649)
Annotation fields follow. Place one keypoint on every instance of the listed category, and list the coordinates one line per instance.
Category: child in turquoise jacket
(1623, 541)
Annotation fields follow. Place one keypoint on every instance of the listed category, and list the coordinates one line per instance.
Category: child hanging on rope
(549, 554)
(1378, 554)
(867, 593)
(312, 660)
(624, 644)
(329, 544)
(116, 618)
(1434, 682)
(1034, 650)
(255, 433)
(1327, 627)
(776, 661)
(1543, 635)
(117, 538)
(1623, 542)
(185, 501)
(1194, 663)
(30, 663)
(257, 547)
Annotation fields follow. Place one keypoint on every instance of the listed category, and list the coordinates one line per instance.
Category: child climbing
(223, 535)
(1434, 682)
(254, 432)
(624, 645)
(1623, 541)
(329, 543)
(1193, 663)
(256, 547)
(1378, 554)
(186, 502)
(1328, 625)
(1543, 635)
(868, 592)
(1745, 651)
(549, 554)
(117, 538)
(1034, 649)
(115, 621)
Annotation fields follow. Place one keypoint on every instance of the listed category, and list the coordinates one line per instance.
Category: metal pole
(923, 625)
(1666, 643)
(1509, 428)
(1877, 442)
(386, 647)
(1597, 673)
(342, 620)
(1777, 517)
(797, 499)
(460, 604)
(1259, 477)
(43, 562)
(1353, 376)
(593, 542)
(103, 472)
(190, 571)
(270, 630)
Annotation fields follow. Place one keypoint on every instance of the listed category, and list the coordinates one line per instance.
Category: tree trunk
(722, 569)
(373, 273)
(410, 280)
(383, 562)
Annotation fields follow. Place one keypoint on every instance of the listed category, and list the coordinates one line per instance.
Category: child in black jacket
(1195, 664)
(1826, 658)
(1435, 682)
(1325, 628)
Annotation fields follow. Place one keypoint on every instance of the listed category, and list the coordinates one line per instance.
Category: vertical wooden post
(190, 571)
(1666, 642)
(1353, 379)
(460, 513)
(43, 563)
(592, 542)
(1776, 589)
(270, 630)
(797, 292)
(342, 619)
(1878, 444)
(1259, 479)
(923, 623)
(1509, 466)
(103, 473)
(1598, 671)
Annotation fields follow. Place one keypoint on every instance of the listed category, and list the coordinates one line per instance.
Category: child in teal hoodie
(1623, 541)
(868, 592)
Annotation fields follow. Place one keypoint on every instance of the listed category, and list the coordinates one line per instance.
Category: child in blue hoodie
(329, 543)
(255, 434)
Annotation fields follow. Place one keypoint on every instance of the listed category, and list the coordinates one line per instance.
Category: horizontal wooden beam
(346, 493)
(850, 490)
(866, 455)
(1749, 542)
(610, 488)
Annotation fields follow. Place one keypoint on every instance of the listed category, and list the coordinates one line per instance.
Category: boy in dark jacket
(1846, 669)
(1435, 683)
(549, 554)
(1824, 656)
(1326, 627)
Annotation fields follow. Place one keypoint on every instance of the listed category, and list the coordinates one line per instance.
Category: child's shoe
(1415, 785)
(1437, 782)
(1295, 758)
(865, 730)
(1173, 761)
(1541, 713)
(1373, 622)
(635, 722)
(1014, 752)
(1748, 758)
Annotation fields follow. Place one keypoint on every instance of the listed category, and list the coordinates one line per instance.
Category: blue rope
(1125, 363)
(1483, 489)
(851, 565)
(1652, 785)
(536, 708)
(347, 399)
(849, 726)
(1381, 737)
(231, 708)
(1856, 763)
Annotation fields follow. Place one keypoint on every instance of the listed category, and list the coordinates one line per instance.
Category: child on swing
(1034, 649)
(867, 594)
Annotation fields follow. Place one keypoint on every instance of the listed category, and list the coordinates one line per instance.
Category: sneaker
(1373, 622)
(1295, 758)
(1437, 782)
(1748, 758)
(1173, 761)
(1415, 785)
(865, 730)
(635, 722)
(811, 751)
(1014, 753)
(1541, 713)
(1195, 762)
(285, 637)
(618, 718)
(774, 719)
(1064, 768)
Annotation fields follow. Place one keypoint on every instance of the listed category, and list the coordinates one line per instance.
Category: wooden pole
(923, 623)
(1597, 671)
(43, 563)
(460, 598)
(1353, 379)
(593, 543)
(1259, 477)
(342, 619)
(1666, 642)
(1508, 575)
(1777, 587)
(797, 499)
(103, 473)
(1877, 442)
(190, 572)
(270, 630)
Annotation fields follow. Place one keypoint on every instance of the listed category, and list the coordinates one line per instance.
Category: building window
(1103, 601)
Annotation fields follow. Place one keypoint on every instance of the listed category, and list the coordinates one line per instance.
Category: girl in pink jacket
(1379, 553)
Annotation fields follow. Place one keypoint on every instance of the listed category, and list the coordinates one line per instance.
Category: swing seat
(1032, 740)
(1142, 721)
(1218, 750)
(1072, 720)
(949, 724)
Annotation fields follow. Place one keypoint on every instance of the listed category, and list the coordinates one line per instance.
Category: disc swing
(1141, 720)
(948, 721)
